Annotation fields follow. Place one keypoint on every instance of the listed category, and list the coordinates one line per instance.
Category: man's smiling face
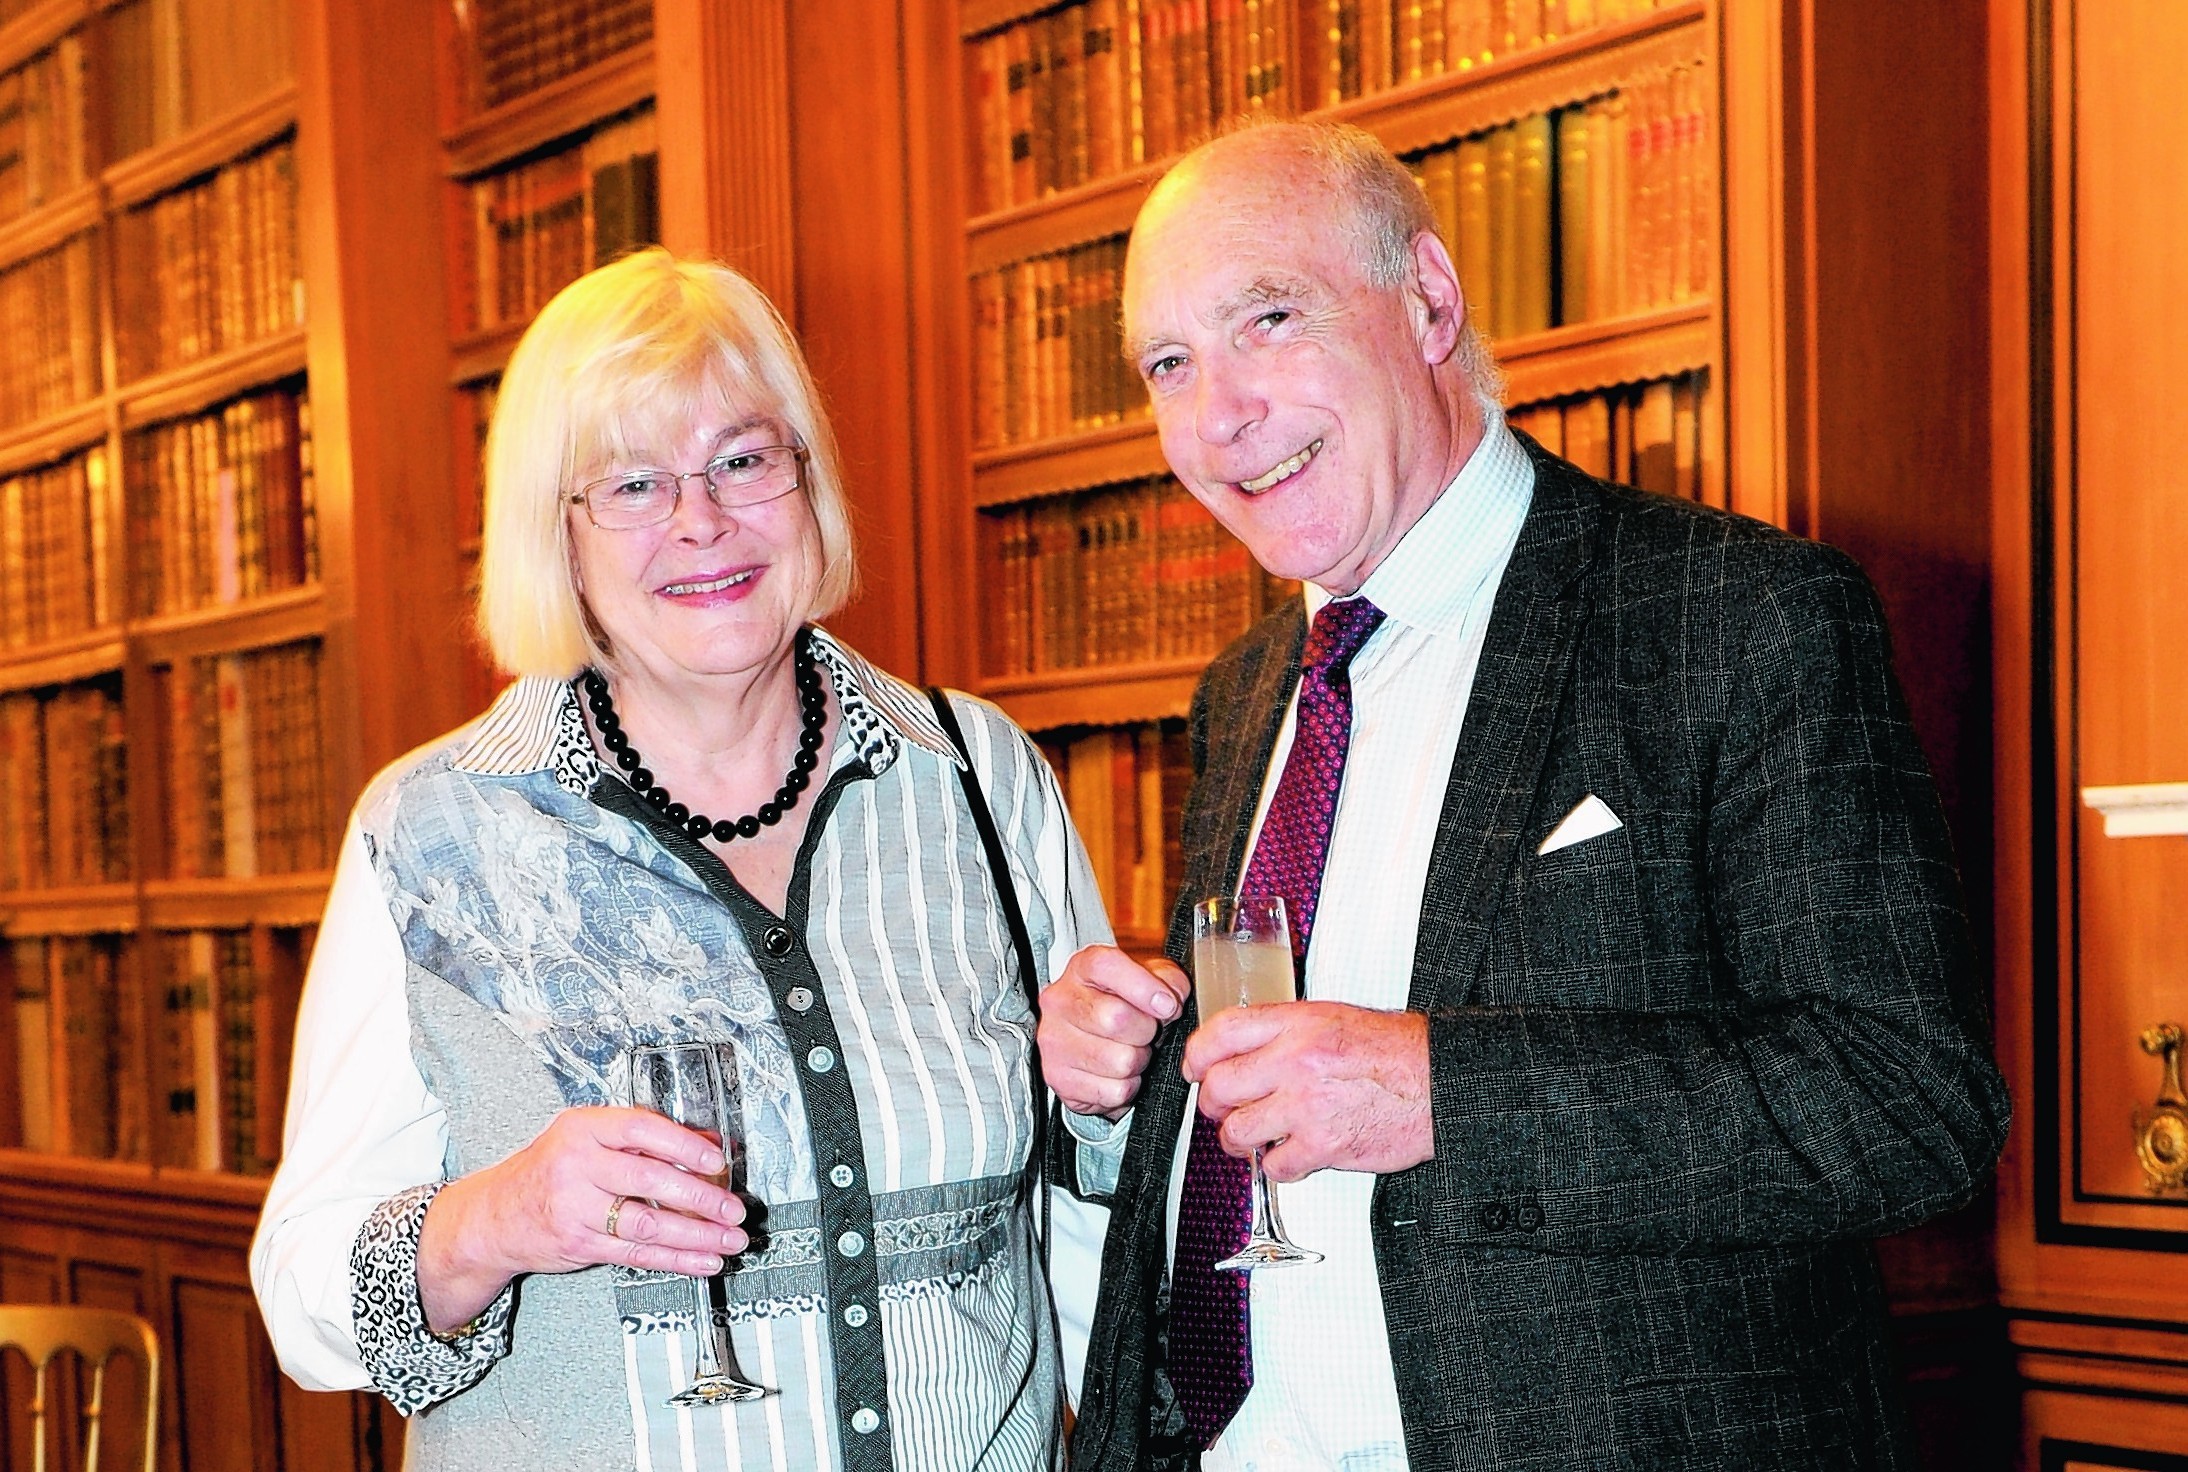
(1296, 400)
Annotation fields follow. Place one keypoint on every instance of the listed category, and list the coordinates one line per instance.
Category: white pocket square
(1589, 819)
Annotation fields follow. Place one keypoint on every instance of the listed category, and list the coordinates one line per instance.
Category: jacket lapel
(1526, 662)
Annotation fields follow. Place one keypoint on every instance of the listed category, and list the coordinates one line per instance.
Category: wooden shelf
(37, 28)
(554, 111)
(161, 167)
(1441, 108)
(1538, 366)
(173, 392)
(1075, 216)
(230, 904)
(62, 662)
(1593, 355)
(50, 438)
(69, 1191)
(482, 355)
(977, 16)
(1408, 118)
(224, 628)
(49, 224)
(1112, 696)
(85, 909)
(1044, 467)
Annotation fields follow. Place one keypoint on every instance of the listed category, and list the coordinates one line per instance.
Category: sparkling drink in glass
(1242, 956)
(695, 1084)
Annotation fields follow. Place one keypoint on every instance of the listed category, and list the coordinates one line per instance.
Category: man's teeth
(713, 586)
(1290, 467)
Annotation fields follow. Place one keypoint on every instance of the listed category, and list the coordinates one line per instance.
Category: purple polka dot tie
(1211, 1352)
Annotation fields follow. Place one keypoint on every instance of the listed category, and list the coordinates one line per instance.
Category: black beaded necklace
(813, 717)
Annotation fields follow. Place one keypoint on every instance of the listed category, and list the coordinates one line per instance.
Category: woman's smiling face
(709, 591)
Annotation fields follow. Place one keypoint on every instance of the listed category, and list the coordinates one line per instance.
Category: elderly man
(1636, 991)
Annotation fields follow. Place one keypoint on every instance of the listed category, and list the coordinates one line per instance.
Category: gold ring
(615, 1213)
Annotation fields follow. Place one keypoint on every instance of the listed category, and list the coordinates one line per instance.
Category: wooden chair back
(42, 1330)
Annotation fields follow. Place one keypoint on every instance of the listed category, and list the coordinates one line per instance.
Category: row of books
(1125, 786)
(513, 47)
(170, 1050)
(540, 224)
(42, 128)
(240, 752)
(1091, 89)
(209, 268)
(176, 65)
(1045, 343)
(1360, 46)
(1117, 575)
(223, 505)
(64, 788)
(56, 577)
(1586, 213)
(1638, 434)
(49, 340)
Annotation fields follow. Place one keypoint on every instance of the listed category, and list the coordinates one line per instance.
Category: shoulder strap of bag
(1029, 975)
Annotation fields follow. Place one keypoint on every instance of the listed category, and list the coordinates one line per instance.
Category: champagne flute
(1242, 955)
(695, 1084)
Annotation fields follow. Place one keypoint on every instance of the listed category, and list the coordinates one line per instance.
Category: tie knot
(1339, 630)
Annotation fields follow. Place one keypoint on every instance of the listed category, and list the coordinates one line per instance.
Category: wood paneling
(853, 272)
(2125, 351)
(224, 1375)
(369, 187)
(2090, 169)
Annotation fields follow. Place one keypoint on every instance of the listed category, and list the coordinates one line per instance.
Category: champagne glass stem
(710, 1359)
(1267, 1225)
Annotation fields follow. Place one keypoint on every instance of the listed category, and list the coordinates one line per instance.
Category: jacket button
(776, 942)
(1530, 1214)
(1495, 1217)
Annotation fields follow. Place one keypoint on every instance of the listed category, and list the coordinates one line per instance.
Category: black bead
(626, 758)
(641, 779)
(724, 830)
(794, 784)
(659, 797)
(614, 739)
(748, 826)
(675, 812)
(809, 739)
(770, 814)
(698, 825)
(806, 761)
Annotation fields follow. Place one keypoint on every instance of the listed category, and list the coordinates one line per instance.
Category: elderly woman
(695, 815)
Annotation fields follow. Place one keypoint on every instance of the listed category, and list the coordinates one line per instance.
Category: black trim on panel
(2043, 711)
(2052, 1456)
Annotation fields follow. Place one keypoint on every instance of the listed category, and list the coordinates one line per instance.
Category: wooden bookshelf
(165, 1240)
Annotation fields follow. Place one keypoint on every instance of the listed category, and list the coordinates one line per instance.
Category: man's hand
(1323, 1085)
(1098, 1024)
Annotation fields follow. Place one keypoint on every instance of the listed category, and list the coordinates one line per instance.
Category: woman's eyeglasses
(735, 480)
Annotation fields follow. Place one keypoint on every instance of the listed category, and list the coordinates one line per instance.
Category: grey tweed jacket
(1681, 1072)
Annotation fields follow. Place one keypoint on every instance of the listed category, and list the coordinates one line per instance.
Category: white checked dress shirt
(1324, 1395)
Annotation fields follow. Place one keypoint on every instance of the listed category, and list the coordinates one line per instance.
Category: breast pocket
(1575, 939)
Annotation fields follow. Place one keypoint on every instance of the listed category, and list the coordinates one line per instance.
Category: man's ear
(1437, 303)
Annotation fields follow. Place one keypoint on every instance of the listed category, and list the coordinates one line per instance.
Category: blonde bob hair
(617, 368)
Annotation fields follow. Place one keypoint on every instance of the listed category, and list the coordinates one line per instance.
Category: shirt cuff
(410, 1364)
(1101, 1150)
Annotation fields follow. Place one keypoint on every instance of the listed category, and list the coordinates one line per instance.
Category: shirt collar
(525, 729)
(1430, 579)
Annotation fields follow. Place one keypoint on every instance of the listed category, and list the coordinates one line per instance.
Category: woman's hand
(548, 1208)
